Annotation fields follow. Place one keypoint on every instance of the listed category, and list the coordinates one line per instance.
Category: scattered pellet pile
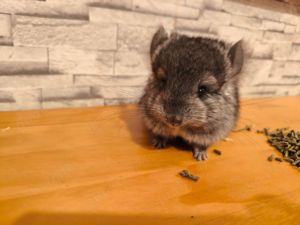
(287, 142)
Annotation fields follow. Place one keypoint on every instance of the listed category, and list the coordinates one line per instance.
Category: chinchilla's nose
(174, 120)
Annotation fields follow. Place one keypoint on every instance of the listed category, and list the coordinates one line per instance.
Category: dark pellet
(218, 152)
(278, 159)
(186, 174)
(270, 158)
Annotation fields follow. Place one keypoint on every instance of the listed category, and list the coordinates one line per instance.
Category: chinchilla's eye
(202, 91)
(162, 82)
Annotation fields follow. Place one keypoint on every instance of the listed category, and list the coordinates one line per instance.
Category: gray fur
(170, 105)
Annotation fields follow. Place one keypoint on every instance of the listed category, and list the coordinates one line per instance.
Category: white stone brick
(72, 60)
(290, 19)
(129, 17)
(262, 50)
(24, 100)
(51, 8)
(65, 93)
(197, 34)
(289, 28)
(295, 53)
(238, 9)
(296, 38)
(283, 68)
(177, 2)
(256, 92)
(214, 4)
(166, 9)
(199, 4)
(73, 103)
(5, 25)
(132, 63)
(135, 38)
(69, 33)
(118, 92)
(123, 4)
(233, 34)
(6, 96)
(35, 81)
(121, 101)
(246, 22)
(272, 25)
(255, 71)
(216, 17)
(89, 80)
(277, 36)
(250, 11)
(282, 50)
(23, 59)
(193, 25)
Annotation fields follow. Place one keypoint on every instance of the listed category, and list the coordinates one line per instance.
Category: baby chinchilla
(193, 91)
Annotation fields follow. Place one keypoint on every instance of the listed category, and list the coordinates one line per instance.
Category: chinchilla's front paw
(159, 142)
(200, 153)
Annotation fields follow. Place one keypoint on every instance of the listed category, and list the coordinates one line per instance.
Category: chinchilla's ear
(158, 39)
(236, 56)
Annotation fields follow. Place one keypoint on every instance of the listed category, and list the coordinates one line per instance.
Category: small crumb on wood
(5, 129)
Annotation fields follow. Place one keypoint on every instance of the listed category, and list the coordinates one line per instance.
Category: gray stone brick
(118, 92)
(23, 60)
(66, 93)
(132, 63)
(85, 80)
(277, 36)
(166, 9)
(129, 17)
(5, 25)
(34, 81)
(272, 25)
(134, 38)
(246, 22)
(216, 17)
(73, 103)
(72, 60)
(69, 33)
(193, 25)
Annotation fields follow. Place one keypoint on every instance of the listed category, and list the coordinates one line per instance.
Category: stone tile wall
(73, 53)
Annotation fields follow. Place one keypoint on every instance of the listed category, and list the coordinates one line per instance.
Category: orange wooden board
(96, 166)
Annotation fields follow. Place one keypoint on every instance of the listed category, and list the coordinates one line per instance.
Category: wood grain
(96, 166)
